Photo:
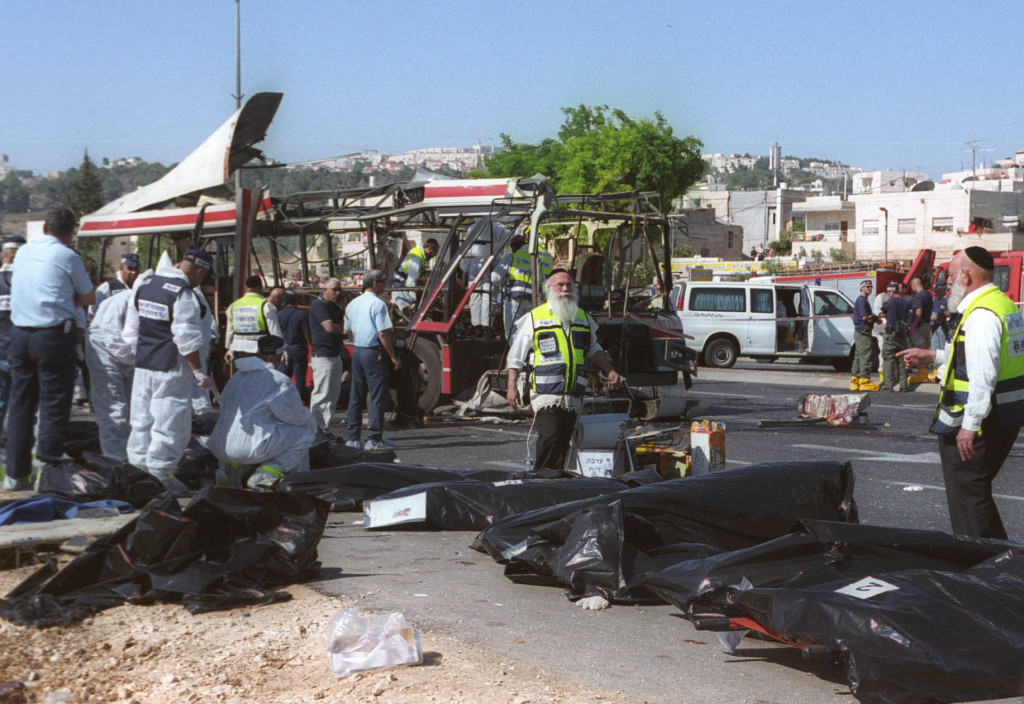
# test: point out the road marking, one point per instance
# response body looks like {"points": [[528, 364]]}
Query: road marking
{"points": [[715, 393], [1010, 497], [930, 407], [922, 458], [506, 463]]}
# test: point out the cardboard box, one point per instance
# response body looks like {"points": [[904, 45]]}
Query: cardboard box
{"points": [[707, 447]]}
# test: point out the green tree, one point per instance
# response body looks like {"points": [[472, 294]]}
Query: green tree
{"points": [[88, 188], [14, 197], [602, 150]]}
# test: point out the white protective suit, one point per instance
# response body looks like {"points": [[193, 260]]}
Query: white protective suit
{"points": [[161, 413], [262, 420], [111, 368], [201, 404], [487, 232]]}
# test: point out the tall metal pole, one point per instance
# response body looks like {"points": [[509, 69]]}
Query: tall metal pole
{"points": [[241, 251]]}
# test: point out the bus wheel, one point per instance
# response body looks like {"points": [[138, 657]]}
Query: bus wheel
{"points": [[429, 356]]}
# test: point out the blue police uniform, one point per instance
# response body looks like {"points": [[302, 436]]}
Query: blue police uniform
{"points": [[49, 274], [295, 329]]}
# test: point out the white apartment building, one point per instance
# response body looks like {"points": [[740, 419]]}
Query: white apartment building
{"points": [[827, 219], [896, 226], [886, 181], [1002, 175], [763, 215]]}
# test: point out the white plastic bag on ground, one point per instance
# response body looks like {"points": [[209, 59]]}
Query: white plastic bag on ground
{"points": [[358, 644]]}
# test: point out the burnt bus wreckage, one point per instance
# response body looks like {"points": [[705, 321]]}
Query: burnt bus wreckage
{"points": [[616, 246]]}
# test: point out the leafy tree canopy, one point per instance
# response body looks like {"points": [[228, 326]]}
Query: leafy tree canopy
{"points": [[602, 150]]}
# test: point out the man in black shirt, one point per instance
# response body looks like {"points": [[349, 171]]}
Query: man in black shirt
{"points": [[295, 327], [326, 318], [921, 325]]}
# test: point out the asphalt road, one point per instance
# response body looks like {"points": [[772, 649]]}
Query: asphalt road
{"points": [[650, 653]]}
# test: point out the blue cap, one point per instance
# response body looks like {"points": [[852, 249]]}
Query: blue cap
{"points": [[270, 344], [13, 241], [199, 257], [130, 260]]}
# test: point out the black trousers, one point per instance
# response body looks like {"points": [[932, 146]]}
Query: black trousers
{"points": [[43, 378], [554, 427], [972, 510]]}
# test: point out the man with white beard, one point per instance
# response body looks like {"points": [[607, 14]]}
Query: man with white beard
{"points": [[560, 339], [981, 407]]}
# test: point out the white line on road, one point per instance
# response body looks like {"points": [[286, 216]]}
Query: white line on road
{"points": [[921, 458], [930, 407], [505, 463], [715, 393], [942, 488]]}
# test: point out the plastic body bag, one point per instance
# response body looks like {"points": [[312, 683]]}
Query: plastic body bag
{"points": [[602, 546], [913, 616], [357, 644]]}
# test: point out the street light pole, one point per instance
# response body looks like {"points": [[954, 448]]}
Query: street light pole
{"points": [[885, 239], [240, 254]]}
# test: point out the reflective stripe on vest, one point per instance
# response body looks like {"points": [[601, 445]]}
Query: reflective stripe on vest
{"points": [[246, 315], [1008, 397], [401, 274], [519, 272], [552, 374]]}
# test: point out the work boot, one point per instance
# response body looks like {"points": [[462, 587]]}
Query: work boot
{"points": [[866, 385], [881, 378], [920, 377], [854, 383]]}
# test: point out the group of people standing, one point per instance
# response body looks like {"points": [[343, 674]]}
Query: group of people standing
{"points": [[147, 342], [897, 319]]}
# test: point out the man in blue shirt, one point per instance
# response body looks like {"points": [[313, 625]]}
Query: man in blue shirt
{"points": [[295, 328], [863, 323], [368, 321], [921, 325], [7, 253], [50, 283], [326, 333], [896, 311]]}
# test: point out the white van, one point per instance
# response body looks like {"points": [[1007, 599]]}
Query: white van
{"points": [[731, 319]]}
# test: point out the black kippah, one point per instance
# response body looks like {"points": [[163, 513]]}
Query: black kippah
{"points": [[981, 257]]}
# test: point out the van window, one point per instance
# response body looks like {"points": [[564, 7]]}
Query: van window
{"points": [[718, 300], [829, 303], [761, 300]]}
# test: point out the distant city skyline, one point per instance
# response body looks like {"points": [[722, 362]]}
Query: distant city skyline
{"points": [[879, 85]]}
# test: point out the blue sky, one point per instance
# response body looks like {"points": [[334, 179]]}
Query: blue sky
{"points": [[899, 85]]}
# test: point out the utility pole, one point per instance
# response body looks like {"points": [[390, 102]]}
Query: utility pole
{"points": [[241, 250], [973, 148]]}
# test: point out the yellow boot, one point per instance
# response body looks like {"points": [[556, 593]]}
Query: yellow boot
{"points": [[919, 377], [854, 383], [866, 385], [881, 378]]}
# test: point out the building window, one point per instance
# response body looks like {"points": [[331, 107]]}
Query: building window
{"points": [[831, 226], [942, 224], [906, 226], [869, 228], [732, 240]]}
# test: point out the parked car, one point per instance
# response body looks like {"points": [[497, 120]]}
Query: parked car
{"points": [[765, 320]]}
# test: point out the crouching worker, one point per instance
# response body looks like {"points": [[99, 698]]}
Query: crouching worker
{"points": [[558, 339], [262, 421]]}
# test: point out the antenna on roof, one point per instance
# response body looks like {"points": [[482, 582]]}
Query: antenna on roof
{"points": [[973, 148]]}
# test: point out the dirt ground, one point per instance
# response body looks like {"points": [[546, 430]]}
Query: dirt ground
{"points": [[274, 654]]}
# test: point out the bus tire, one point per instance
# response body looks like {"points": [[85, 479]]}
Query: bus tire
{"points": [[429, 356]]}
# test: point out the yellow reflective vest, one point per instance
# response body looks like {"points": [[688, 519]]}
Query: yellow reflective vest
{"points": [[520, 281], [1008, 398], [401, 274], [559, 361], [246, 315]]}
